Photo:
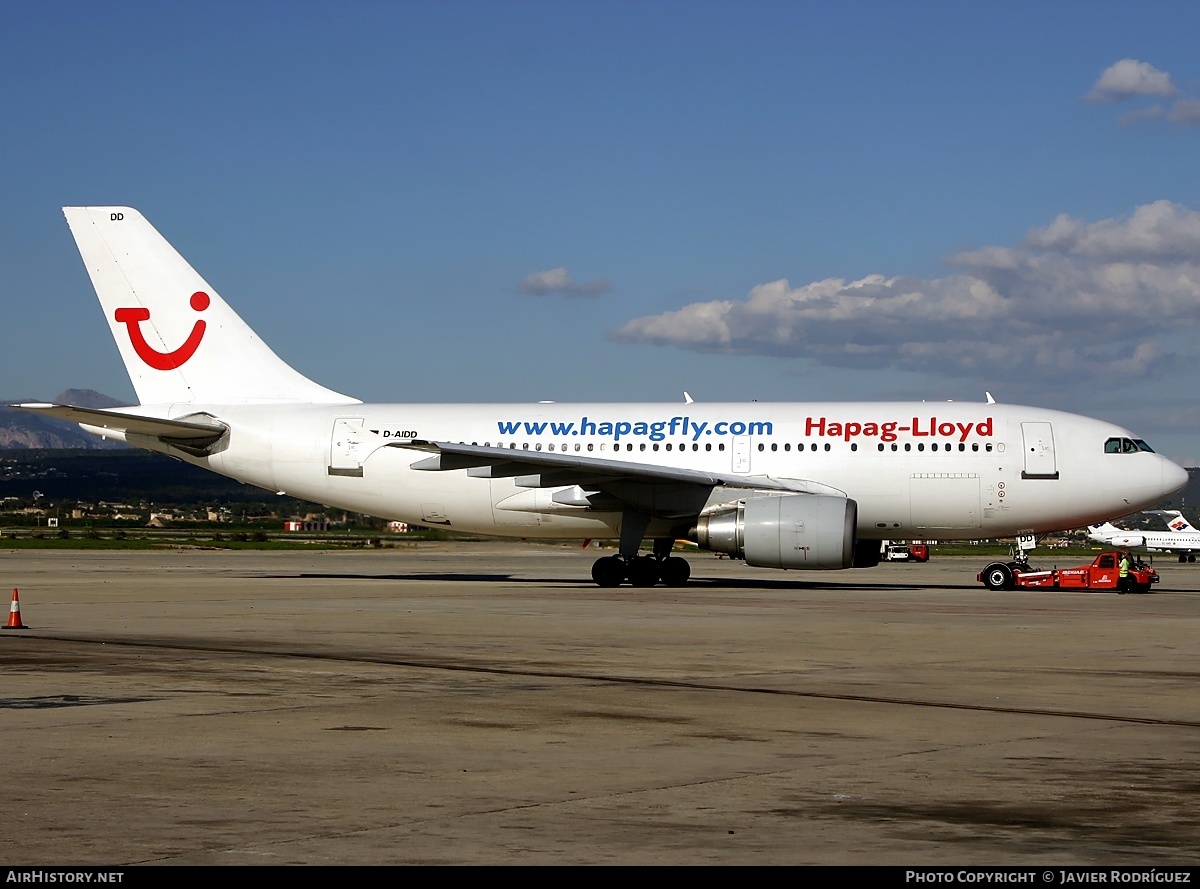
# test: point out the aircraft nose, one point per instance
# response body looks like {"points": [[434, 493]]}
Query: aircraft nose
{"points": [[1174, 477]]}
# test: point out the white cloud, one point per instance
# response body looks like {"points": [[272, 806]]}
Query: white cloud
{"points": [[1074, 300], [1185, 111], [559, 281], [1160, 229], [1128, 78], [1131, 79]]}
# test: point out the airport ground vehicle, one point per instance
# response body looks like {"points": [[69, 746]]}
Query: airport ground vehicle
{"points": [[1102, 574], [913, 552]]}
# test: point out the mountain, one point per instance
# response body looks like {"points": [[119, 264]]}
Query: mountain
{"points": [[21, 429]]}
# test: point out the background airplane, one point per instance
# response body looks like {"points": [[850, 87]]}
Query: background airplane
{"points": [[792, 486], [1182, 539]]}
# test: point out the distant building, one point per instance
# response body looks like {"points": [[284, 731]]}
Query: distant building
{"points": [[398, 527], [306, 526]]}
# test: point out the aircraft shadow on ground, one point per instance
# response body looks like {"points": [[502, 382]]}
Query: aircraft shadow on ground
{"points": [[696, 583]]}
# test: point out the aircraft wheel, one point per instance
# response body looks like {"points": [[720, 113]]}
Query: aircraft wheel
{"points": [[1192, 559], [997, 576], [675, 571], [643, 571], [1183, 559], [608, 571]]}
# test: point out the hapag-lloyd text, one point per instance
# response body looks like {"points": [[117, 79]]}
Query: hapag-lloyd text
{"points": [[918, 428]]}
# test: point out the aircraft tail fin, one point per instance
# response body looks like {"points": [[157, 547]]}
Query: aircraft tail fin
{"points": [[181, 343], [1175, 520], [1103, 531]]}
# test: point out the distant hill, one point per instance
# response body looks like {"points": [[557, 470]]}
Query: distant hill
{"points": [[21, 429]]}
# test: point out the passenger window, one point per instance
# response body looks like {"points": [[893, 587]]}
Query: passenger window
{"points": [[1108, 561]]}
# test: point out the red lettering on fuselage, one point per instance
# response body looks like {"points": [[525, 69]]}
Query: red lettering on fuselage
{"points": [[921, 427]]}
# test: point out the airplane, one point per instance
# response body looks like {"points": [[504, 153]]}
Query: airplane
{"points": [[1182, 540], [794, 486]]}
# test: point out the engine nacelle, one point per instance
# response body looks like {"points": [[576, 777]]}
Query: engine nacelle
{"points": [[1127, 540], [797, 531]]}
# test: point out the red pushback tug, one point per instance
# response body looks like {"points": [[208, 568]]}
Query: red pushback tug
{"points": [[1102, 574]]}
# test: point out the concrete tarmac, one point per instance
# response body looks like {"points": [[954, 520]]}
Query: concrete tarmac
{"points": [[487, 704]]}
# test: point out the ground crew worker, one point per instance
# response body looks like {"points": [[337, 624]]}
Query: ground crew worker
{"points": [[1123, 579]]}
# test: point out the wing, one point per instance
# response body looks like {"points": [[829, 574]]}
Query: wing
{"points": [[540, 469], [602, 482]]}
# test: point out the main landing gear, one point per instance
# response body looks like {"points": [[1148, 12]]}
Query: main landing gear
{"points": [[642, 571], [639, 570]]}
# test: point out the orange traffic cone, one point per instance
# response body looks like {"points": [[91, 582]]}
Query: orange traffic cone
{"points": [[14, 614]]}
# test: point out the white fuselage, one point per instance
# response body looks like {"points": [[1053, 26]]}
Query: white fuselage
{"points": [[1185, 542], [953, 470]]}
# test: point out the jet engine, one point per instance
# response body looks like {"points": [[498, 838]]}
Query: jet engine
{"points": [[1127, 540], [797, 531]]}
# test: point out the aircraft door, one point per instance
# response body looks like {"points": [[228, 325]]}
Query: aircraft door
{"points": [[741, 453], [345, 447], [1039, 451]]}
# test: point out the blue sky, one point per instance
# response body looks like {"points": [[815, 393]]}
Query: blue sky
{"points": [[583, 201]]}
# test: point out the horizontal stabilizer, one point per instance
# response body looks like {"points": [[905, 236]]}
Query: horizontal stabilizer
{"points": [[129, 423]]}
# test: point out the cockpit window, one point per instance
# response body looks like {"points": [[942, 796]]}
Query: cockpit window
{"points": [[1126, 446]]}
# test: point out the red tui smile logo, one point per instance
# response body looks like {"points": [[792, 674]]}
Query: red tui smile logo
{"points": [[132, 319]]}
